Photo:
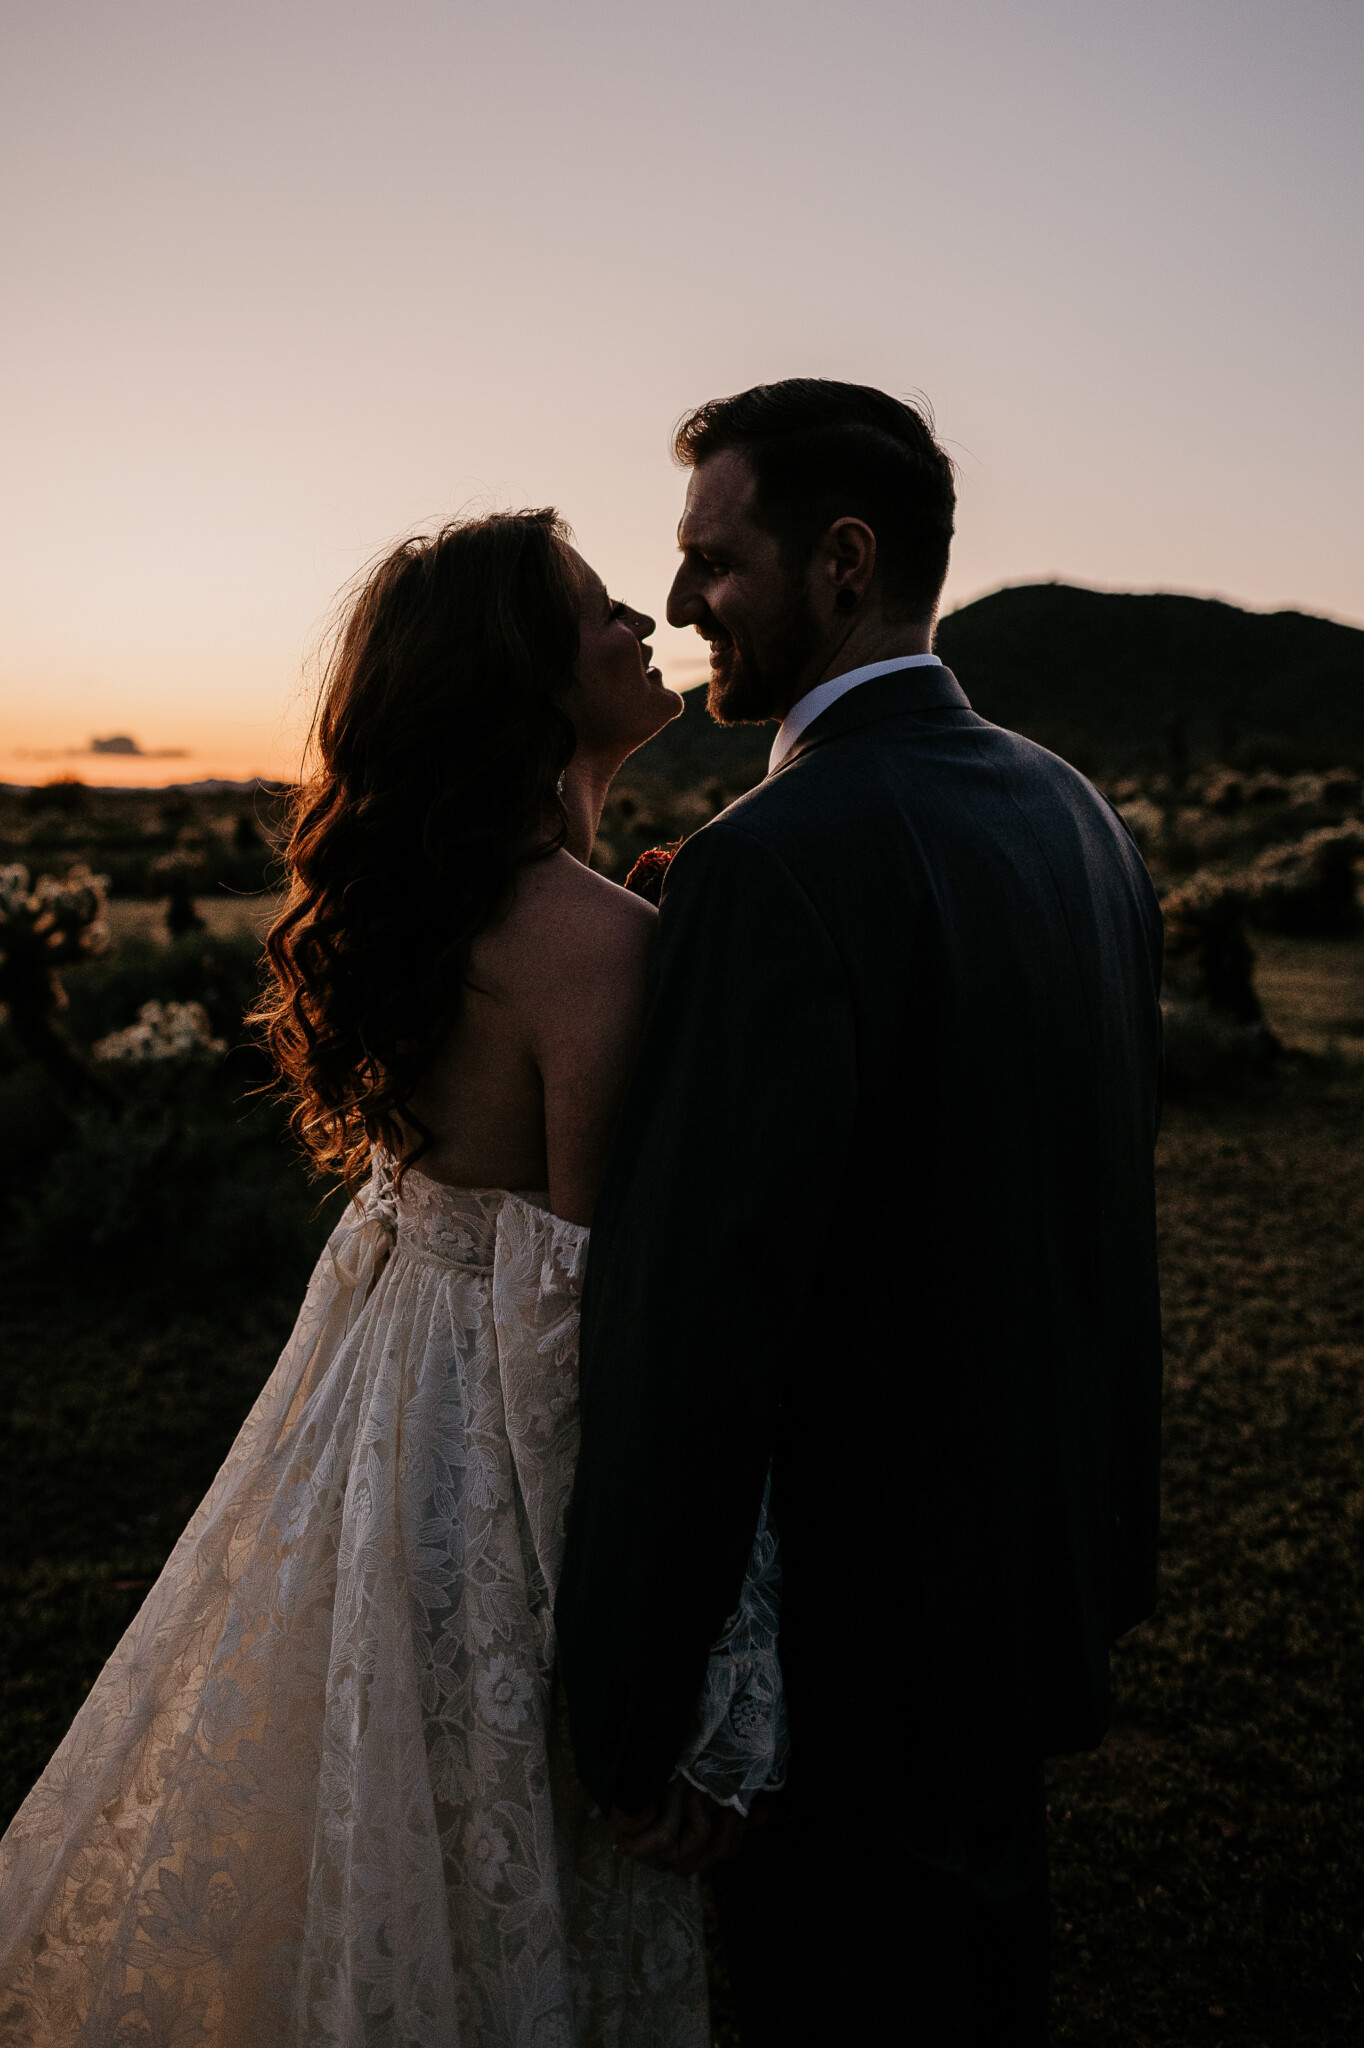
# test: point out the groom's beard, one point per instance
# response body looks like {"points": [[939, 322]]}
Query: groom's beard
{"points": [[754, 678]]}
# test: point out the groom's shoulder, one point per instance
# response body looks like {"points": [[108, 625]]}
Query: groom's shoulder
{"points": [[918, 792], [787, 832], [768, 821]]}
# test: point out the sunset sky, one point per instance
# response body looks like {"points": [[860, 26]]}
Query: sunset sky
{"points": [[286, 280]]}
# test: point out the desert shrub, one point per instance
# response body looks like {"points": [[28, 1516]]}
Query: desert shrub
{"points": [[1143, 819], [1214, 1024], [163, 1032], [1209, 1048], [1214, 1027], [46, 925], [1341, 786], [63, 794], [221, 974], [35, 1119], [1267, 788], [1224, 792], [170, 1173], [1308, 888], [1208, 958], [183, 1182], [125, 833], [181, 874]]}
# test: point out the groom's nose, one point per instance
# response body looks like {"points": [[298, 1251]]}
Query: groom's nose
{"points": [[686, 606]]}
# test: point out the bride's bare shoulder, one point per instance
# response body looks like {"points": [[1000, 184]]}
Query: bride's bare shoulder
{"points": [[567, 922]]}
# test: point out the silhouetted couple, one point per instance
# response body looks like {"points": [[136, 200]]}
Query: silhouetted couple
{"points": [[490, 1633]]}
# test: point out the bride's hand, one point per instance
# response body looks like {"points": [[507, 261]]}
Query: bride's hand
{"points": [[683, 1832], [653, 1835]]}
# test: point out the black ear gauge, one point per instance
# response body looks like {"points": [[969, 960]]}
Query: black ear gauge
{"points": [[846, 600]]}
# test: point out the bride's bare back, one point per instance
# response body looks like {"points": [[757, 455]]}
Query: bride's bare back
{"points": [[524, 1091]]}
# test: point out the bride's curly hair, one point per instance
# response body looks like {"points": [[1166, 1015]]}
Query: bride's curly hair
{"points": [[437, 750]]}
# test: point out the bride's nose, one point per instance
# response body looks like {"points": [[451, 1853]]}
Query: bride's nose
{"points": [[644, 625]]}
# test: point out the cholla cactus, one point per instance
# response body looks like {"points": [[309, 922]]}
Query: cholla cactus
{"points": [[51, 923], [58, 919], [163, 1031]]}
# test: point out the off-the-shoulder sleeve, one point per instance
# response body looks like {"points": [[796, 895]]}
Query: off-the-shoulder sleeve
{"points": [[738, 1744]]}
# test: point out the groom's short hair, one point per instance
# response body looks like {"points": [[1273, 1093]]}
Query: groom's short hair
{"points": [[821, 451]]}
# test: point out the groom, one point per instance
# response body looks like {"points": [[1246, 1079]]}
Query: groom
{"points": [[879, 1212]]}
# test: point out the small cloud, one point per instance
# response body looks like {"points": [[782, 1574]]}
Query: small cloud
{"points": [[119, 743]]}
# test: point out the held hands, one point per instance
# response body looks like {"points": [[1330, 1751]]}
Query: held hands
{"points": [[683, 1831]]}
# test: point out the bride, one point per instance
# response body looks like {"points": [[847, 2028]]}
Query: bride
{"points": [[322, 1792]]}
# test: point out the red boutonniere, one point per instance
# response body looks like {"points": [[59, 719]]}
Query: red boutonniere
{"points": [[647, 876]]}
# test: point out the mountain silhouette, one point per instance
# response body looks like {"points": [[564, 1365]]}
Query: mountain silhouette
{"points": [[1120, 683]]}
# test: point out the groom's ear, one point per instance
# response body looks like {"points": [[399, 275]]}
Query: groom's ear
{"points": [[842, 567]]}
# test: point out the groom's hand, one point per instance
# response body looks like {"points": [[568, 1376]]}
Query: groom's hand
{"points": [[684, 1831], [654, 1831]]}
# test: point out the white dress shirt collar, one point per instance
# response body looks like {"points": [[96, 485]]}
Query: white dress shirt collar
{"points": [[808, 708]]}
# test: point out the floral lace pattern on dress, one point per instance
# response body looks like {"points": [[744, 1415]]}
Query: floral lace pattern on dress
{"points": [[739, 1742], [321, 1793]]}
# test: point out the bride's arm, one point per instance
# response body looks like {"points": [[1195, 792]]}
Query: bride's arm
{"points": [[738, 1743], [585, 997]]}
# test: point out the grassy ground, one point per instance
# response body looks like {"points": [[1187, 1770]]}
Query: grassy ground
{"points": [[1313, 992], [115, 1420], [1209, 1860], [225, 917]]}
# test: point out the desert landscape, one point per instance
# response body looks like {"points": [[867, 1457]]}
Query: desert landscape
{"points": [[1208, 1859]]}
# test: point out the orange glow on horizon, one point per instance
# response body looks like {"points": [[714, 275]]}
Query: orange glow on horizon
{"points": [[285, 283]]}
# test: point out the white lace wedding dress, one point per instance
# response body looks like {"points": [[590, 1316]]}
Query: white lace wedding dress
{"points": [[321, 1792]]}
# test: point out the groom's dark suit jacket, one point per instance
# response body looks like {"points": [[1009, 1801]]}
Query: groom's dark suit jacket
{"points": [[880, 1210]]}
